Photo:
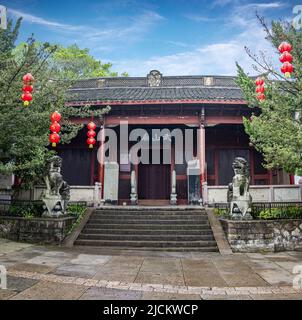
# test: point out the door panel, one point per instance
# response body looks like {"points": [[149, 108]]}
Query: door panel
{"points": [[154, 181]]}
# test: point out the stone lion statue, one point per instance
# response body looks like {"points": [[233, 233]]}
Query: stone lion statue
{"points": [[57, 192], [54, 180], [239, 197]]}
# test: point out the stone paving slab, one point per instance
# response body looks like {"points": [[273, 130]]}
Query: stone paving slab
{"points": [[122, 277], [161, 265], [48, 260], [173, 278], [9, 246], [51, 291], [19, 284], [30, 267], [75, 270], [90, 259]]}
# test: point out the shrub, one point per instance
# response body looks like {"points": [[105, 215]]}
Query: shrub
{"points": [[290, 212], [26, 210], [76, 209]]}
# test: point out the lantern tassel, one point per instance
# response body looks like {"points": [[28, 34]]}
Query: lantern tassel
{"points": [[26, 103], [54, 144], [91, 146], [287, 74]]}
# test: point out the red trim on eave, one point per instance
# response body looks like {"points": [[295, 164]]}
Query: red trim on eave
{"points": [[133, 102]]}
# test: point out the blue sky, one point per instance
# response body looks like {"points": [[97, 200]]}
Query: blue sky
{"points": [[177, 37]]}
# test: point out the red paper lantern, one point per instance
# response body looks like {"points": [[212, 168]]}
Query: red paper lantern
{"points": [[259, 82], [260, 89], [55, 127], [26, 98], [91, 134], [91, 126], [27, 88], [28, 78], [55, 117], [285, 46], [54, 138], [91, 142], [286, 57], [261, 96], [287, 68]]}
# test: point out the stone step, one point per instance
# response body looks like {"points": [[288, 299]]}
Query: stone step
{"points": [[151, 221], [145, 231], [155, 226], [140, 237], [150, 217], [150, 209], [169, 249], [153, 244], [157, 213]]}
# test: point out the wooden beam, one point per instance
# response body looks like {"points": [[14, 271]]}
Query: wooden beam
{"points": [[224, 120], [163, 120]]}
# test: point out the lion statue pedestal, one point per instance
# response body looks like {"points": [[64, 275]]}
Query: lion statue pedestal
{"points": [[239, 197], [57, 192]]}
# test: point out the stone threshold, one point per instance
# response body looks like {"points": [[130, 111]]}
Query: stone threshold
{"points": [[163, 288]]}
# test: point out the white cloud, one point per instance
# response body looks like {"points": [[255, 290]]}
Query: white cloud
{"points": [[198, 18], [38, 20], [216, 58], [128, 30]]}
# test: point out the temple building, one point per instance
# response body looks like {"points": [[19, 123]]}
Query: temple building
{"points": [[208, 109]]}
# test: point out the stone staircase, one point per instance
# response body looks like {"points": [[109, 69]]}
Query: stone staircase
{"points": [[149, 228]]}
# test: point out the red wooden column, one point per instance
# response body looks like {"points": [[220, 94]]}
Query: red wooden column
{"points": [[202, 153], [101, 156], [202, 148]]}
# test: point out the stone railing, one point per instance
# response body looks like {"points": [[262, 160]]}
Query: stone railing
{"points": [[88, 194], [268, 193]]}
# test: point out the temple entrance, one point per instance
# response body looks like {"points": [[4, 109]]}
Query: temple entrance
{"points": [[154, 182]]}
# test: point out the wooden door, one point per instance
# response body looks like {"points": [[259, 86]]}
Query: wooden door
{"points": [[154, 181]]}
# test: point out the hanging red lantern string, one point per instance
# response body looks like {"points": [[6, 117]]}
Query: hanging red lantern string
{"points": [[91, 135], [286, 58], [260, 89], [55, 128], [27, 89]]}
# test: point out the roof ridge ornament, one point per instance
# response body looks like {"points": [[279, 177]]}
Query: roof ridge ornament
{"points": [[154, 78]]}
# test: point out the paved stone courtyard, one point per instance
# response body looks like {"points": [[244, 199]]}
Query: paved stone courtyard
{"points": [[39, 272]]}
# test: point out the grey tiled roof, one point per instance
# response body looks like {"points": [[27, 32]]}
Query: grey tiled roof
{"points": [[171, 88]]}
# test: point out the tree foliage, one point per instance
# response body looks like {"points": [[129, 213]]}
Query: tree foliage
{"points": [[24, 145], [73, 62], [276, 130]]}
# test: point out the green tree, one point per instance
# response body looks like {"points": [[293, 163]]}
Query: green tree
{"points": [[24, 145], [275, 126], [73, 62]]}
